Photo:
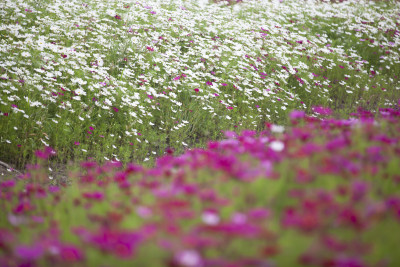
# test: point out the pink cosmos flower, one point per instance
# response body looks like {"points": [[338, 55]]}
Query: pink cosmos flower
{"points": [[71, 253], [97, 195], [297, 114], [30, 253], [45, 153]]}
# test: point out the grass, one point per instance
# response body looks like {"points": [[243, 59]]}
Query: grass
{"points": [[324, 192]]}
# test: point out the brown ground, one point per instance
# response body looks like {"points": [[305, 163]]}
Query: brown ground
{"points": [[7, 170]]}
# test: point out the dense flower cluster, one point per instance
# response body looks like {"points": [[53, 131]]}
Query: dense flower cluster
{"points": [[323, 192], [87, 78]]}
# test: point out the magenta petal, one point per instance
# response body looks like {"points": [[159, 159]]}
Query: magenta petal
{"points": [[29, 252]]}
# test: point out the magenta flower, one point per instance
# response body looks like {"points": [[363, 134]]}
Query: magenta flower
{"points": [[259, 214], [120, 243], [230, 134], [7, 184], [359, 189], [188, 258], [118, 17], [97, 195], [30, 253], [71, 253], [53, 189], [322, 110], [297, 114], [45, 153], [89, 164]]}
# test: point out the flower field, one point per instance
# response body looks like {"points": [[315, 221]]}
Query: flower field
{"points": [[120, 80], [254, 133], [322, 193]]}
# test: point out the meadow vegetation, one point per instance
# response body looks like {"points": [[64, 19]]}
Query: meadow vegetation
{"points": [[322, 193], [200, 133], [110, 80]]}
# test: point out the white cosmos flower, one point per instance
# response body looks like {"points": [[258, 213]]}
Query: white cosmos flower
{"points": [[25, 54], [277, 146], [80, 91], [277, 128], [210, 218], [189, 258]]}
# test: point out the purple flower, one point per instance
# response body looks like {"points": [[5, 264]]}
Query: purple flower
{"points": [[53, 189], [71, 253], [120, 243], [358, 190], [97, 195], [45, 153], [259, 213], [297, 114], [7, 184], [189, 258], [322, 110], [33, 252], [230, 134]]}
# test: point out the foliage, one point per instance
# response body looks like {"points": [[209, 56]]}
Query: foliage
{"points": [[323, 192], [112, 80]]}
